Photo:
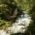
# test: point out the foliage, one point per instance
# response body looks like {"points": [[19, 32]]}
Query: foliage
{"points": [[9, 5]]}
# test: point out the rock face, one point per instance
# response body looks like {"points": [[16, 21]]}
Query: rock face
{"points": [[19, 26]]}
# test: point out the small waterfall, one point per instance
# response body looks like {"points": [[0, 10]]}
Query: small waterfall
{"points": [[20, 25]]}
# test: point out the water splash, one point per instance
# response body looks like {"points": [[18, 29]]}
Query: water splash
{"points": [[20, 25]]}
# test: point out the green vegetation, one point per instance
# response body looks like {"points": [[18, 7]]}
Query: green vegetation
{"points": [[8, 5]]}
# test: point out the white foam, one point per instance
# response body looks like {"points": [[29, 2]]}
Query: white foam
{"points": [[20, 25]]}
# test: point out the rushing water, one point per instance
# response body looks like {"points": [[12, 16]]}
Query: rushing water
{"points": [[20, 25]]}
